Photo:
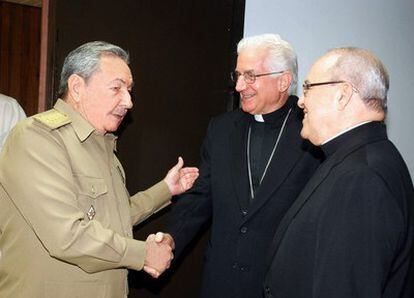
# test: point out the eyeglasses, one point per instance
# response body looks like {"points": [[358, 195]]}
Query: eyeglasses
{"points": [[306, 85], [249, 76]]}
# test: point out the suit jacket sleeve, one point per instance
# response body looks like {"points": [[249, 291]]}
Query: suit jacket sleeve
{"points": [[39, 180], [192, 211]]}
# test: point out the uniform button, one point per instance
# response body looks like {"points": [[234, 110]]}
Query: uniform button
{"points": [[244, 268], [267, 291], [244, 212], [235, 265], [243, 230]]}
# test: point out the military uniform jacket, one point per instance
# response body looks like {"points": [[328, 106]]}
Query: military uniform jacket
{"points": [[65, 214]]}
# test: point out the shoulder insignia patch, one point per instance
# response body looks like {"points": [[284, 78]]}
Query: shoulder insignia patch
{"points": [[53, 118]]}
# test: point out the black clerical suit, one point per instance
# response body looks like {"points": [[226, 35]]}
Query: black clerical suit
{"points": [[350, 232], [242, 228]]}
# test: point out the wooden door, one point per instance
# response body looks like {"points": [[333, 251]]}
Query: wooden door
{"points": [[20, 53]]}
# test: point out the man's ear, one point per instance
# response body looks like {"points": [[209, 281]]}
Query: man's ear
{"points": [[285, 80], [344, 93], [76, 85]]}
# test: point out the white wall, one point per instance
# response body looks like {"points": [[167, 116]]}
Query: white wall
{"points": [[382, 26]]}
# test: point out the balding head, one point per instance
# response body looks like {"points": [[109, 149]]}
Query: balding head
{"points": [[345, 87], [364, 71]]}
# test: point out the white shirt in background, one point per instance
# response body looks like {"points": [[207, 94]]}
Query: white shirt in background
{"points": [[10, 113]]}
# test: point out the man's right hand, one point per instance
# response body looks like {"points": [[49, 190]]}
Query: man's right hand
{"points": [[159, 255]]}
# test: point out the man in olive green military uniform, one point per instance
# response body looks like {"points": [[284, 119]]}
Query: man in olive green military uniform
{"points": [[65, 215]]}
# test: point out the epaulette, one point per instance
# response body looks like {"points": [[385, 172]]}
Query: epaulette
{"points": [[53, 118]]}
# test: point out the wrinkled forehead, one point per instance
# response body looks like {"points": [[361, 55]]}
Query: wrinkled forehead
{"points": [[251, 59]]}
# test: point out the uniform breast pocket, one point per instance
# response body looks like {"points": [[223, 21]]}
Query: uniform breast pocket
{"points": [[91, 195]]}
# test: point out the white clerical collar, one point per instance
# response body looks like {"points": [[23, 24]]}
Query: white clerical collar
{"points": [[344, 131], [258, 118]]}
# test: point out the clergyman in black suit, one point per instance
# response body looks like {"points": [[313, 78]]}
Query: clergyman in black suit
{"points": [[350, 232], [253, 166]]}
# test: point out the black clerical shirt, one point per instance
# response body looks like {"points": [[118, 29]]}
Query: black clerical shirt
{"points": [[263, 137]]}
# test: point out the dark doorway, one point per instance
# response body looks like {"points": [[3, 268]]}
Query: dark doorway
{"points": [[181, 54]]}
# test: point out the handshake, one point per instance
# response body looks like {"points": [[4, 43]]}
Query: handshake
{"points": [[159, 253]]}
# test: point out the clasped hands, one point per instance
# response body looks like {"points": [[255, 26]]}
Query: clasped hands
{"points": [[160, 248]]}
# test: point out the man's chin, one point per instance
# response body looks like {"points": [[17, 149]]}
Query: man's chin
{"points": [[303, 134], [310, 138], [246, 108], [113, 127]]}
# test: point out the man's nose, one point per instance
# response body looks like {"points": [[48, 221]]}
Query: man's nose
{"points": [[127, 100], [240, 84]]}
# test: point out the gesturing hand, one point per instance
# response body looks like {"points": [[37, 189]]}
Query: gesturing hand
{"points": [[180, 179]]}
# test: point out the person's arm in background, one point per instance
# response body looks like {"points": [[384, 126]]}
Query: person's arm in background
{"points": [[10, 113]]}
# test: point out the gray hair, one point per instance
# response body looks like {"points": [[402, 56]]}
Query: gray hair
{"points": [[84, 61], [365, 72], [280, 54]]}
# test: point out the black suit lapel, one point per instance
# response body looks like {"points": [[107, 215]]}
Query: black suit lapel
{"points": [[313, 183], [361, 136], [238, 160]]}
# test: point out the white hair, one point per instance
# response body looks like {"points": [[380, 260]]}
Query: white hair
{"points": [[280, 54]]}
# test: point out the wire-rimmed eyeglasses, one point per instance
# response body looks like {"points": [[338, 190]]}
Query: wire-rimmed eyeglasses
{"points": [[307, 85], [249, 76]]}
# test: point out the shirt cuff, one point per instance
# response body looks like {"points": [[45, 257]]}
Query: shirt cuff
{"points": [[135, 254]]}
